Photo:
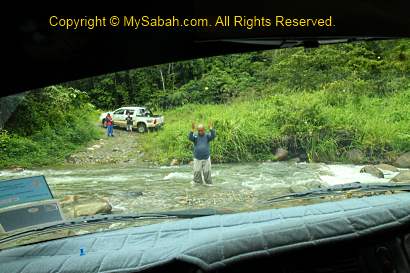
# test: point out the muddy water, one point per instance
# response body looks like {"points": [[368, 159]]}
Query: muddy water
{"points": [[237, 187]]}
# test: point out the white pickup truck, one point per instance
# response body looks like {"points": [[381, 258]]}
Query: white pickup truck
{"points": [[142, 117]]}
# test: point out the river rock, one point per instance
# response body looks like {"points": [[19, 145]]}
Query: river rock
{"points": [[403, 176], [281, 154], [174, 162], [17, 169], [386, 167], [96, 146], [303, 157], [92, 208], [313, 184], [298, 188], [134, 193], [295, 160], [372, 170], [403, 161], [355, 156], [90, 149], [71, 159], [116, 149], [69, 200]]}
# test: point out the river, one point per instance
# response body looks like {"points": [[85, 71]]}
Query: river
{"points": [[236, 187]]}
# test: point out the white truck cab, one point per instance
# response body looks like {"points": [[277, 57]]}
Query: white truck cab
{"points": [[143, 118]]}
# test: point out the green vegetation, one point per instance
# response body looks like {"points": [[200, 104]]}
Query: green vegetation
{"points": [[372, 68], [47, 126], [319, 103], [305, 122]]}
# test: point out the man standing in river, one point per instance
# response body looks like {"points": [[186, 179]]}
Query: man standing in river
{"points": [[202, 154]]}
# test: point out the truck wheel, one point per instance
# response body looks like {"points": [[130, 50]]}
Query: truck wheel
{"points": [[141, 128]]}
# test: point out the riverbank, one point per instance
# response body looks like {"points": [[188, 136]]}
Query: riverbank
{"points": [[305, 126], [311, 126]]}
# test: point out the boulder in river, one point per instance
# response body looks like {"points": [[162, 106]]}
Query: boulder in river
{"points": [[16, 169], [303, 157], [403, 176], [295, 160], [298, 188], [174, 162], [403, 161], [354, 156], [92, 208], [372, 170], [70, 198], [281, 154], [386, 167]]}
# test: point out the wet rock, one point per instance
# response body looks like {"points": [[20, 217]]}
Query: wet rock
{"points": [[16, 169], [174, 162], [403, 161], [303, 157], [134, 193], [403, 176], [386, 167], [355, 156], [281, 154], [373, 171], [313, 184], [298, 188], [295, 160], [92, 208], [69, 200]]}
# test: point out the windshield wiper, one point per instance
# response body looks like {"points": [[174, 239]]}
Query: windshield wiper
{"points": [[108, 218], [341, 189]]}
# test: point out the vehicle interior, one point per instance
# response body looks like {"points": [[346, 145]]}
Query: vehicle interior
{"points": [[369, 235]]}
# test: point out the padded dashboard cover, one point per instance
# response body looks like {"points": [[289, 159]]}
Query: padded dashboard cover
{"points": [[211, 242]]}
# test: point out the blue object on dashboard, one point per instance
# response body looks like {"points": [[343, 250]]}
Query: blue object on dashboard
{"points": [[24, 190], [212, 242]]}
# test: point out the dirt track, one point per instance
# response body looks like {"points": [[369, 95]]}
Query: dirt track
{"points": [[123, 148]]}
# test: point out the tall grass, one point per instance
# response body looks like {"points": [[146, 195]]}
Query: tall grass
{"points": [[306, 122]]}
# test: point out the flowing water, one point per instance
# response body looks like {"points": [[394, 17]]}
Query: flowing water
{"points": [[236, 187]]}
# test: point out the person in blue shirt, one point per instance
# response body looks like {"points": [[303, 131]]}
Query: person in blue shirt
{"points": [[202, 153]]}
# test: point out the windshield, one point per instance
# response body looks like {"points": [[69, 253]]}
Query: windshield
{"points": [[228, 133]]}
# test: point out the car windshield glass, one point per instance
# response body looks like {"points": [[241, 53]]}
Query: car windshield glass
{"points": [[233, 133]]}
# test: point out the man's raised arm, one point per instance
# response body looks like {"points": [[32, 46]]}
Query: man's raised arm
{"points": [[191, 134], [212, 135]]}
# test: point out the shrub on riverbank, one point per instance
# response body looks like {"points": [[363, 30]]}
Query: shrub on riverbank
{"points": [[319, 124], [47, 125]]}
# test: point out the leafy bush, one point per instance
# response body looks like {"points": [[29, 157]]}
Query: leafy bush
{"points": [[47, 126]]}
